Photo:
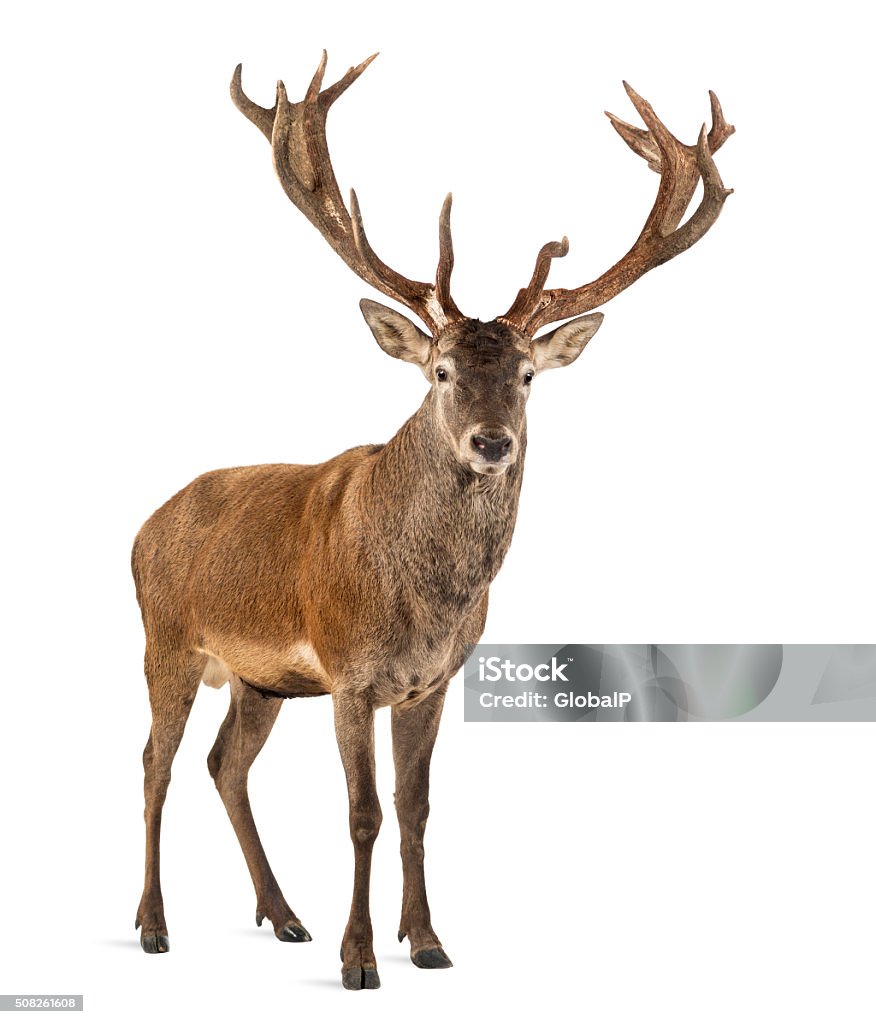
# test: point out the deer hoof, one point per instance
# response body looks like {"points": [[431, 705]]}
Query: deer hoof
{"points": [[431, 959], [357, 978], [293, 933], [152, 942]]}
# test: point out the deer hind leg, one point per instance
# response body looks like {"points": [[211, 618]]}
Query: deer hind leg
{"points": [[414, 729], [173, 677], [354, 726], [242, 735]]}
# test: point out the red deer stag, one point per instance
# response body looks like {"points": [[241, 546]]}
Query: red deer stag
{"points": [[366, 577]]}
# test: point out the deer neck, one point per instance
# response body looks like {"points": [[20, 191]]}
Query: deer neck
{"points": [[443, 529]]}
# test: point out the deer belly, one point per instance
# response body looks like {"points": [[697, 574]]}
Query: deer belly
{"points": [[294, 672]]}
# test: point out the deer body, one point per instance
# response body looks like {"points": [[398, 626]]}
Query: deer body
{"points": [[369, 572], [366, 577]]}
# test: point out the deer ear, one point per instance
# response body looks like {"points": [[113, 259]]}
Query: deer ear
{"points": [[396, 335], [564, 344]]}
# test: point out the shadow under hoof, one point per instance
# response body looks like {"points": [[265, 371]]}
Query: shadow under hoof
{"points": [[357, 978], [155, 943], [431, 959]]}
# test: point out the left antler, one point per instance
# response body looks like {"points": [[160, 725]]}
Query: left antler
{"points": [[297, 135], [680, 168]]}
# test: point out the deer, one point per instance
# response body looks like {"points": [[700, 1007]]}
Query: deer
{"points": [[366, 577]]}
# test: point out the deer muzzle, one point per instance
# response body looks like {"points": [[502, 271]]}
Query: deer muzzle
{"points": [[492, 451]]}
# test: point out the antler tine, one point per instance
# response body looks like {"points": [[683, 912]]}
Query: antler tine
{"points": [[261, 117], [315, 86], [720, 131], [417, 295], [334, 91], [529, 296], [445, 262], [388, 277], [661, 135], [638, 140], [303, 165], [680, 168], [714, 193], [292, 160], [678, 177]]}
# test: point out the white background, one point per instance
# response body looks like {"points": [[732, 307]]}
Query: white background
{"points": [[702, 474]]}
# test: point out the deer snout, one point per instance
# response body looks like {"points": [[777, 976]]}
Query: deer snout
{"points": [[493, 446]]}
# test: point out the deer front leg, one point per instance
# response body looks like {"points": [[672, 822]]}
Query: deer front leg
{"points": [[354, 726], [414, 730]]}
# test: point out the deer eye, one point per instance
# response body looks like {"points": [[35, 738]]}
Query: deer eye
{"points": [[528, 377], [441, 374]]}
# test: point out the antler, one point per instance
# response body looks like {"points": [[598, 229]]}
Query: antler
{"points": [[297, 135], [680, 168]]}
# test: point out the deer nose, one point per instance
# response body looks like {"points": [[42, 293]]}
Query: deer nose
{"points": [[493, 449]]}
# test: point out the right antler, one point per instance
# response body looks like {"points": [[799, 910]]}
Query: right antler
{"points": [[680, 168], [297, 135]]}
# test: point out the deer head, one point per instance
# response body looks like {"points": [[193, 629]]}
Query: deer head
{"points": [[481, 373]]}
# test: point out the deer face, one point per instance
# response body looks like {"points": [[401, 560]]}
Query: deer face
{"points": [[481, 376]]}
